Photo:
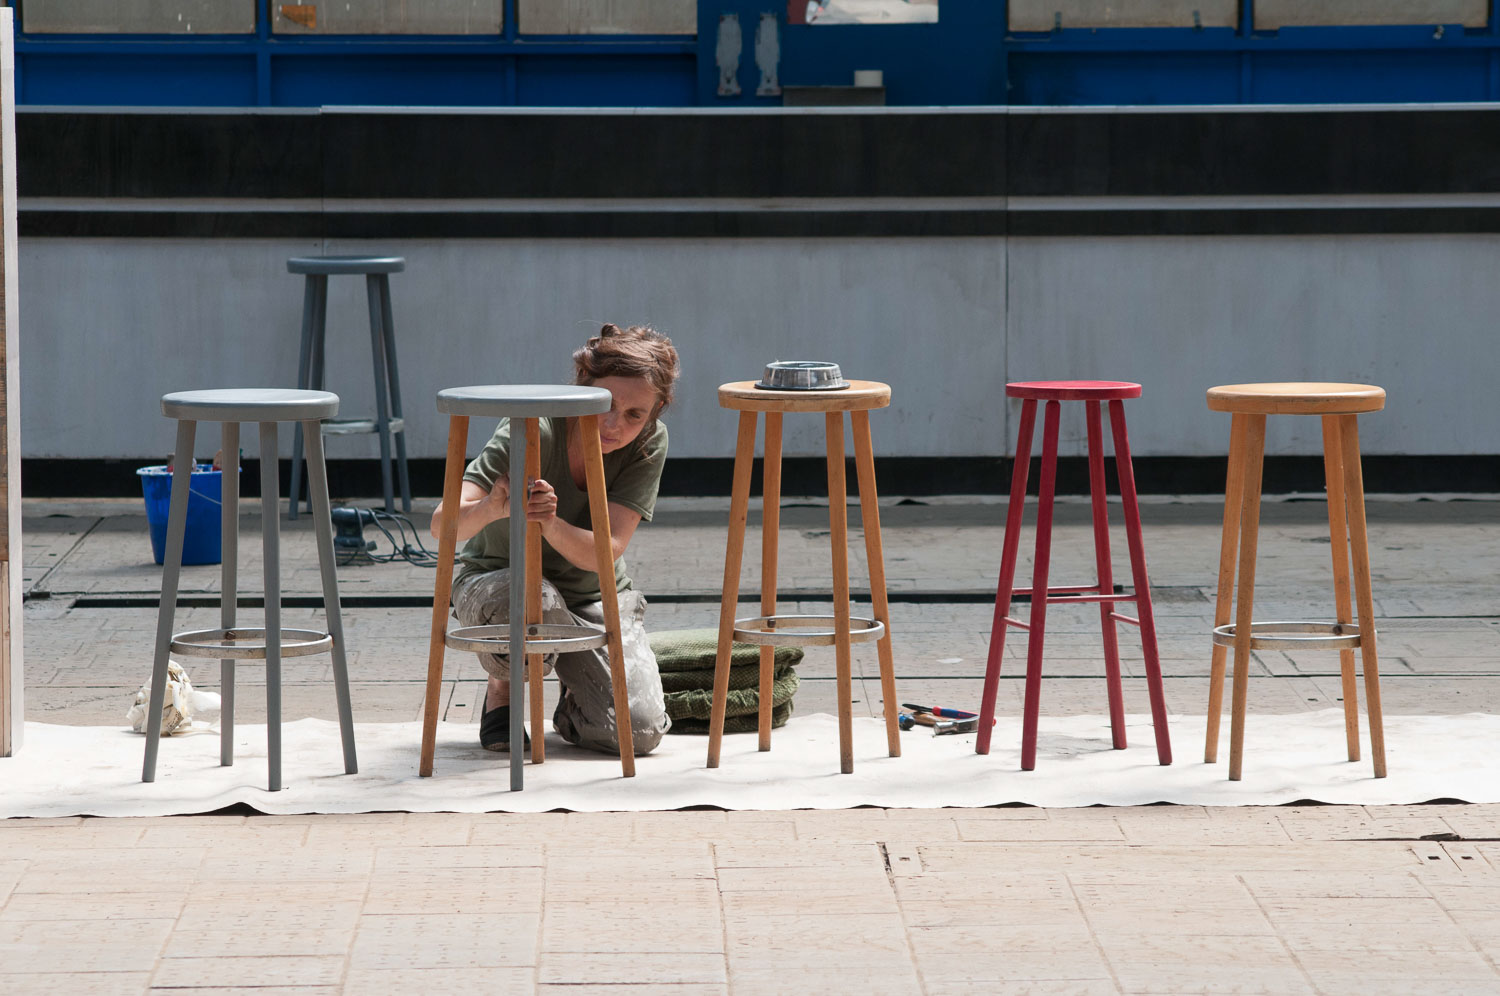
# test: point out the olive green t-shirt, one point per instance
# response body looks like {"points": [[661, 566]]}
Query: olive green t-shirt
{"points": [[631, 477]]}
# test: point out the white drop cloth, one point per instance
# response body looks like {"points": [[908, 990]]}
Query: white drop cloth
{"points": [[72, 770]]}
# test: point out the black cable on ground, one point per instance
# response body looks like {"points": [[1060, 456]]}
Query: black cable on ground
{"points": [[407, 548]]}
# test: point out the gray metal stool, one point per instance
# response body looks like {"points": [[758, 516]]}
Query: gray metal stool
{"points": [[523, 404], [267, 406], [311, 368]]}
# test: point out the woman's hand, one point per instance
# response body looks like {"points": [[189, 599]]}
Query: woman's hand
{"points": [[499, 496], [541, 504]]}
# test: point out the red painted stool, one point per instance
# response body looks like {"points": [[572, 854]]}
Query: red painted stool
{"points": [[1091, 392]]}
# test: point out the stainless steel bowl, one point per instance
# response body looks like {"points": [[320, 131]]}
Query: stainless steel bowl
{"points": [[802, 375]]}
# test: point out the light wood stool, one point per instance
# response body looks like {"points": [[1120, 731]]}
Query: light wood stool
{"points": [[769, 629], [523, 404], [1340, 406]]}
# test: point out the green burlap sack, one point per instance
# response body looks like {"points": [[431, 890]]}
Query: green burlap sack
{"points": [[695, 650], [686, 661]]}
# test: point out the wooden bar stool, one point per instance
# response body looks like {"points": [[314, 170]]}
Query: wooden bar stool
{"points": [[230, 643], [1092, 393], [770, 629], [312, 366], [523, 404], [1339, 405]]}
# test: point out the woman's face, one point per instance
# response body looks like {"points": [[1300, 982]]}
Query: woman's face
{"points": [[634, 400]]}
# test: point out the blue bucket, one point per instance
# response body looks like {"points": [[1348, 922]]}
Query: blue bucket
{"points": [[201, 544]]}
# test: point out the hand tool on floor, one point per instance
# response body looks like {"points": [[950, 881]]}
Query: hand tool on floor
{"points": [[940, 711], [906, 721]]}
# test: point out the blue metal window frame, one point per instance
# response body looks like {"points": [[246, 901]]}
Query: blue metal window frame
{"points": [[968, 57], [265, 46]]}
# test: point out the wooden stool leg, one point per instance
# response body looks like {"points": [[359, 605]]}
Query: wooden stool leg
{"points": [[838, 529], [1234, 487], [869, 511], [1255, 447], [1038, 621], [1106, 575], [229, 544], [739, 510], [167, 605], [534, 594], [453, 472], [604, 556], [770, 526], [270, 537], [1338, 541], [1354, 495], [1006, 585], [1145, 614]]}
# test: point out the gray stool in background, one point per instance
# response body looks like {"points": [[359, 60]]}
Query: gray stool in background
{"points": [[524, 404], [312, 369], [267, 406]]}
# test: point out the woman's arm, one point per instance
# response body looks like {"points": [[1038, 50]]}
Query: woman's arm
{"points": [[477, 508], [574, 543]]}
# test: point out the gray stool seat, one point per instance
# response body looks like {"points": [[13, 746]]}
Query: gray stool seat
{"points": [[524, 400], [266, 407], [524, 639], [386, 422], [250, 404], [329, 266]]}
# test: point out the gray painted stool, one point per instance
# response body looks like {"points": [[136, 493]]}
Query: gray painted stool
{"points": [[523, 404], [311, 368], [267, 406]]}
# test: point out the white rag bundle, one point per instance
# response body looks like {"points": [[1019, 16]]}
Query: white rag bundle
{"points": [[181, 706]]}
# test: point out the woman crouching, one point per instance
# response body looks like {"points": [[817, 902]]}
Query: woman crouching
{"points": [[638, 366]]}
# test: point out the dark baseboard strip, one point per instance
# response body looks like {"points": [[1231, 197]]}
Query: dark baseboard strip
{"points": [[932, 597], [788, 224], [44, 477]]}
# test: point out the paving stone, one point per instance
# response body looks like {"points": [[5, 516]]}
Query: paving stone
{"points": [[93, 945], [657, 968], [430, 940], [80, 983], [264, 970]]}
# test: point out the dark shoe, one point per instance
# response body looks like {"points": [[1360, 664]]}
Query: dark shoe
{"points": [[494, 730]]}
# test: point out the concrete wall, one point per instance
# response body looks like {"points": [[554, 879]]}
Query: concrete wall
{"points": [[109, 325]]}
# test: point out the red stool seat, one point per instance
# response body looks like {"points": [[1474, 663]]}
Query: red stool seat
{"points": [[1073, 390], [1093, 393]]}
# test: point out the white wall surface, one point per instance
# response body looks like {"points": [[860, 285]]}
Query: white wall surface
{"points": [[111, 325]]}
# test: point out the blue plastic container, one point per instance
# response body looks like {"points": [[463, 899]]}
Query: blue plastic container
{"points": [[201, 544]]}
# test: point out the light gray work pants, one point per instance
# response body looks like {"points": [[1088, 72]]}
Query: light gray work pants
{"points": [[585, 714]]}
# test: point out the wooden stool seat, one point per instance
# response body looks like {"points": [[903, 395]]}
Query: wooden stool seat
{"points": [[1296, 399], [841, 629], [859, 396], [1093, 393], [525, 639], [1339, 406], [1073, 390]]}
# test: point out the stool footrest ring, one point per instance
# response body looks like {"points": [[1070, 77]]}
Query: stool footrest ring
{"points": [[1294, 636], [770, 631], [244, 643], [544, 638]]}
